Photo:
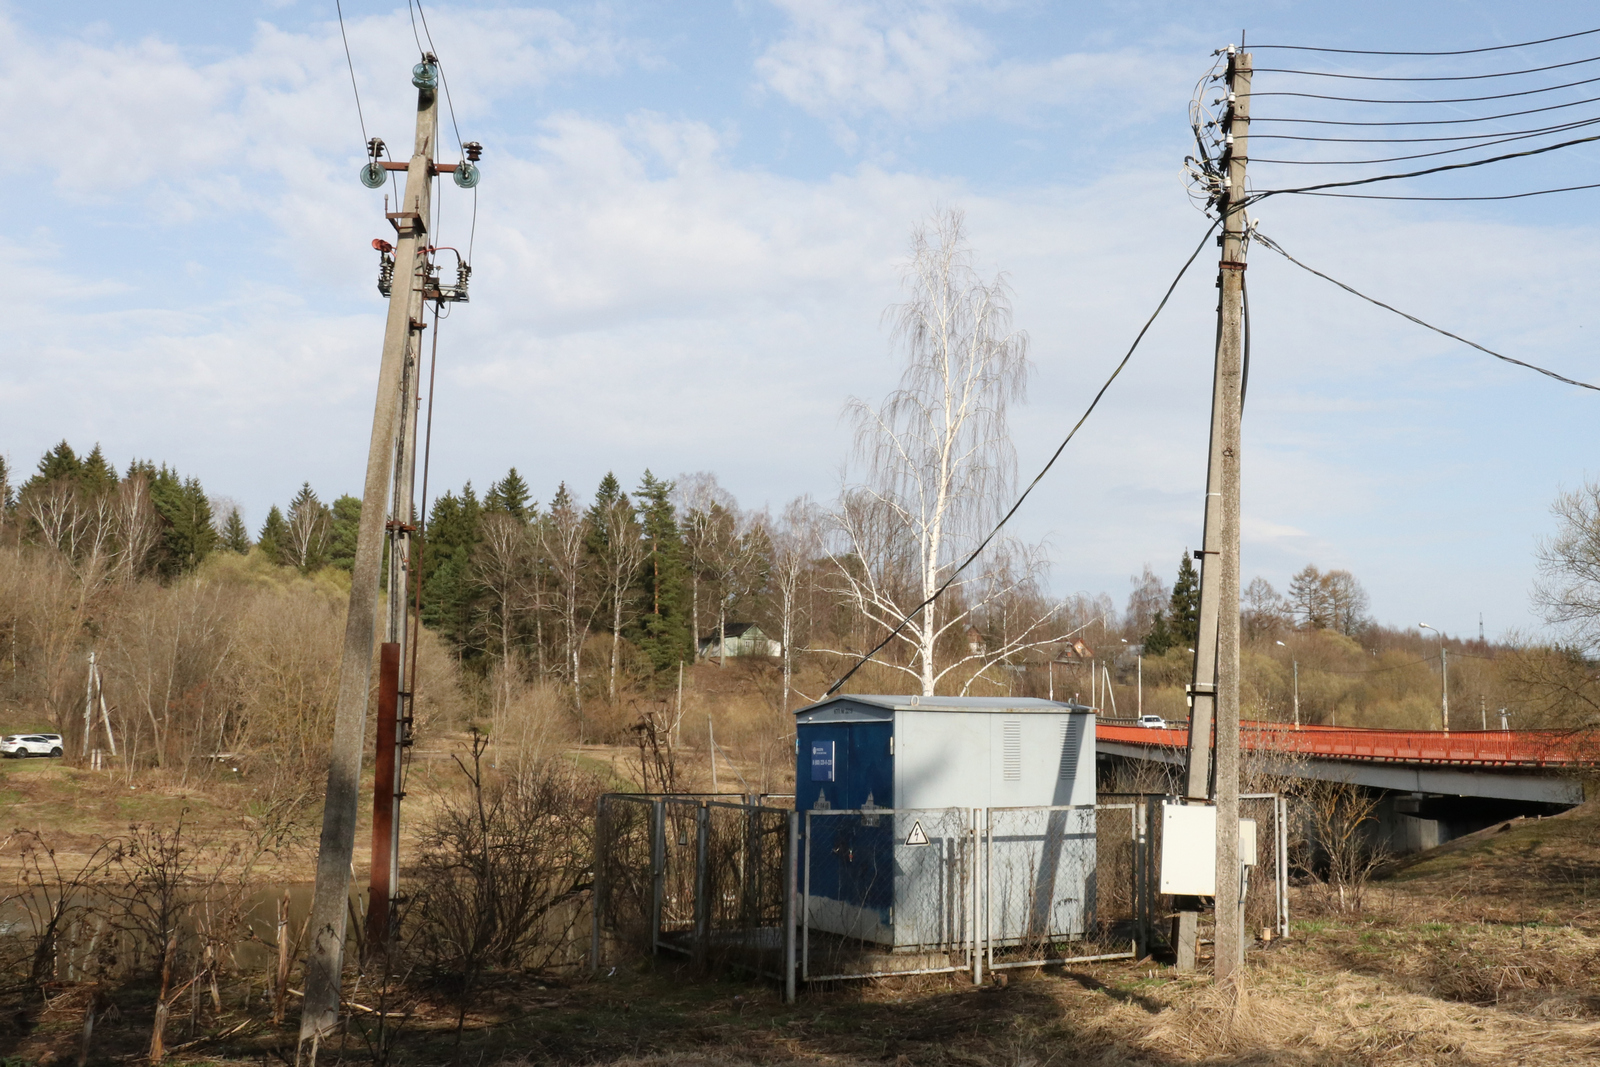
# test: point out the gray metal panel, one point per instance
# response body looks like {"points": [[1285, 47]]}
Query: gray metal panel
{"points": [[844, 709], [945, 759], [1450, 781]]}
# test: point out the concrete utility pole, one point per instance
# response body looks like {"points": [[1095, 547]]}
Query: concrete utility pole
{"points": [[1214, 693], [325, 958], [1444, 676]]}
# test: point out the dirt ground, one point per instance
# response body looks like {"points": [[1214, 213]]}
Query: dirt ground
{"points": [[1485, 951]]}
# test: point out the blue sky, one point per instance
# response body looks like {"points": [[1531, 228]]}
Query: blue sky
{"points": [[692, 217]]}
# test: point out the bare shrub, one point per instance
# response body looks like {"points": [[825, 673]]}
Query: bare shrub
{"points": [[503, 867], [1338, 850]]}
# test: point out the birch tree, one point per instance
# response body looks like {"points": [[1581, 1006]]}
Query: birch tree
{"points": [[938, 468], [796, 545]]}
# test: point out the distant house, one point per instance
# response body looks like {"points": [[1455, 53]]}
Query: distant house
{"points": [[744, 639], [1072, 651]]}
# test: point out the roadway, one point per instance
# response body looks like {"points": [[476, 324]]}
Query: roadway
{"points": [[1544, 766]]}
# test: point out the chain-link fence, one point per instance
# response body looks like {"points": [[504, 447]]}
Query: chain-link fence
{"points": [[828, 895], [700, 878]]}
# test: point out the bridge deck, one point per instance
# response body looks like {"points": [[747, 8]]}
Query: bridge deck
{"points": [[1458, 748]]}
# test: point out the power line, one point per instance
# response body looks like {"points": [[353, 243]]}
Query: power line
{"points": [[450, 104], [1454, 100], [1254, 119], [1416, 140], [1447, 199], [1489, 143], [1433, 78], [834, 688], [1458, 52], [1269, 243], [337, 6], [1253, 197]]}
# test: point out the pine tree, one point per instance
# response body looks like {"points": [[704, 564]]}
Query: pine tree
{"points": [[662, 628], [273, 536], [7, 496], [235, 538], [346, 515], [510, 495], [1185, 604]]}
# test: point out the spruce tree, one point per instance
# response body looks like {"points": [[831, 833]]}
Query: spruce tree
{"points": [[449, 593], [235, 538], [346, 516], [510, 495], [307, 524], [7, 496], [188, 534], [95, 475], [1185, 605], [1160, 638], [662, 628], [273, 536], [58, 462]]}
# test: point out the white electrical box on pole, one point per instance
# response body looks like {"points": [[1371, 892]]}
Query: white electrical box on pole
{"points": [[1214, 692]]}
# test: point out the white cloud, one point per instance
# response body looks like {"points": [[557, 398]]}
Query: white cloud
{"points": [[642, 298], [919, 61]]}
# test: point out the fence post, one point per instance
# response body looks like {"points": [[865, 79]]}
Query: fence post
{"points": [[658, 873], [1136, 817], [972, 879], [595, 897], [702, 892], [805, 904], [1283, 865], [791, 865]]}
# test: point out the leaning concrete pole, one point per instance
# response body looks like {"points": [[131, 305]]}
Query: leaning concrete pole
{"points": [[325, 958]]}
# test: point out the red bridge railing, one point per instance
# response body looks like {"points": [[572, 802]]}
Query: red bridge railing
{"points": [[1465, 748]]}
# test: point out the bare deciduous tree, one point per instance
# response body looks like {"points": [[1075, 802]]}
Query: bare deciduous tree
{"points": [[1568, 590], [796, 546], [620, 552], [562, 537], [939, 463]]}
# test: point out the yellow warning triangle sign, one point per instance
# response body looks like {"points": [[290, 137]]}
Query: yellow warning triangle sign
{"points": [[916, 836]]}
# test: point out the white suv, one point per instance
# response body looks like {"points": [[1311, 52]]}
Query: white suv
{"points": [[21, 746], [1149, 722]]}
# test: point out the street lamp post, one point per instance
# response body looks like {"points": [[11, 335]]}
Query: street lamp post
{"points": [[1296, 663], [1444, 676]]}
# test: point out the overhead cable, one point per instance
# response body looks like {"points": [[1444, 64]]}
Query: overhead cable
{"points": [[1255, 119], [1433, 78], [1269, 243], [1453, 100], [351, 64], [1448, 199], [1457, 52], [1490, 143], [1557, 128], [914, 612], [1253, 197], [444, 79]]}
